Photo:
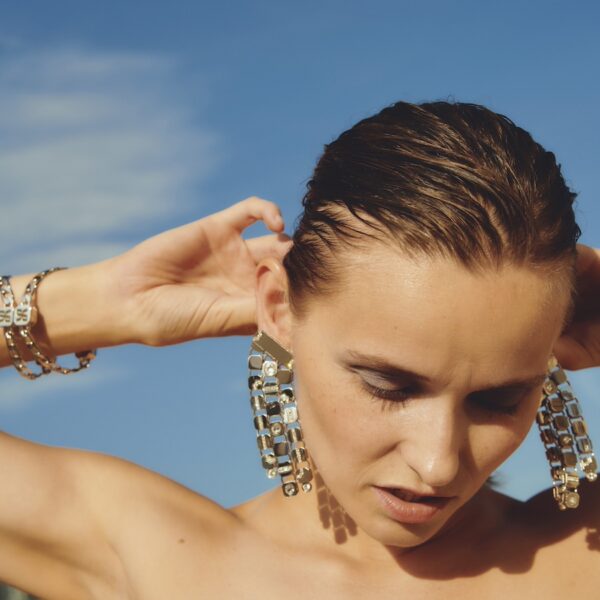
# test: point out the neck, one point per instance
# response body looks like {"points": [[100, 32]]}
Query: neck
{"points": [[324, 526]]}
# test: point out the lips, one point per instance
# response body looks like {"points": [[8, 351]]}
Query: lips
{"points": [[419, 509], [411, 497], [405, 495]]}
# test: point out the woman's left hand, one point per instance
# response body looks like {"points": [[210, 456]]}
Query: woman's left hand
{"points": [[199, 279]]}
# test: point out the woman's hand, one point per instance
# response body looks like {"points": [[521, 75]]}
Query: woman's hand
{"points": [[579, 345], [198, 280]]}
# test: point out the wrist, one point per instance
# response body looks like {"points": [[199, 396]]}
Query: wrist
{"points": [[75, 310]]}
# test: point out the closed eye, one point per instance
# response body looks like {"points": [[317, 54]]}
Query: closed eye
{"points": [[504, 403], [397, 395]]}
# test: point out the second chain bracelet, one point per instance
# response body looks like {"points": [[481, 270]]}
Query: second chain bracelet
{"points": [[16, 322]]}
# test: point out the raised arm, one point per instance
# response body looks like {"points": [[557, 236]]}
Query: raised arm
{"points": [[61, 510], [75, 309]]}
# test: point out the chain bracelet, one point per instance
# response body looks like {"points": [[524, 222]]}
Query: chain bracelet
{"points": [[7, 313], [17, 320]]}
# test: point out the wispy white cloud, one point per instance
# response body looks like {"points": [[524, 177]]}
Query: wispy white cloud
{"points": [[91, 145], [19, 393]]}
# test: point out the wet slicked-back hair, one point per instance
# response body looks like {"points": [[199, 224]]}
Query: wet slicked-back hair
{"points": [[437, 179]]}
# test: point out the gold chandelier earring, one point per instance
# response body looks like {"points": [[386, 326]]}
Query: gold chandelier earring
{"points": [[275, 414], [564, 433]]}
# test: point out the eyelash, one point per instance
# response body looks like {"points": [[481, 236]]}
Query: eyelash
{"points": [[399, 397]]}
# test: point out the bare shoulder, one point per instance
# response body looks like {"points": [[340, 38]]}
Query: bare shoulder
{"points": [[574, 534], [148, 518]]}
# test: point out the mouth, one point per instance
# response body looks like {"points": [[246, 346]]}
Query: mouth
{"points": [[411, 497], [407, 507]]}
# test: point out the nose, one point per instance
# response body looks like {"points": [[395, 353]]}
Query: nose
{"points": [[435, 444]]}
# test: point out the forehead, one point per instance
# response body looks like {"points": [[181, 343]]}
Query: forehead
{"points": [[435, 310]]}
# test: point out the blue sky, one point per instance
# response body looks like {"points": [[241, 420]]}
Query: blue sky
{"points": [[119, 120]]}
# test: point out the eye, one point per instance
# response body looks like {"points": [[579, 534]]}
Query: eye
{"points": [[507, 403], [509, 409], [391, 396]]}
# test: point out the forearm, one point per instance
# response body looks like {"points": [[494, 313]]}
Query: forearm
{"points": [[75, 312]]}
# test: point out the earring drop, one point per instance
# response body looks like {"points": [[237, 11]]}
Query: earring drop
{"points": [[564, 433], [275, 415]]}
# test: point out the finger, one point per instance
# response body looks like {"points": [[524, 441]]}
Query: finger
{"points": [[269, 245], [586, 255], [252, 209]]}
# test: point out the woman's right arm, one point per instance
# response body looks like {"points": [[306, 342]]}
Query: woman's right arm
{"points": [[52, 543], [66, 514], [75, 309]]}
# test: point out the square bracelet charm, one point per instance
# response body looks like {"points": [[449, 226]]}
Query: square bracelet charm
{"points": [[25, 315], [6, 316]]}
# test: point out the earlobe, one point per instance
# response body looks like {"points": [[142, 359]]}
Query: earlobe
{"points": [[272, 309]]}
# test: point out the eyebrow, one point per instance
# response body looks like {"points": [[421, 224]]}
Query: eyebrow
{"points": [[382, 366]]}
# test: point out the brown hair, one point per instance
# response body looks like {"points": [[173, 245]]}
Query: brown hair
{"points": [[449, 179]]}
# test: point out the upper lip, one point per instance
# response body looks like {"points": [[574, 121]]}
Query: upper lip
{"points": [[412, 492]]}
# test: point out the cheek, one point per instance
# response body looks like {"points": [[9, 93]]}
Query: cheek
{"points": [[335, 420], [491, 445]]}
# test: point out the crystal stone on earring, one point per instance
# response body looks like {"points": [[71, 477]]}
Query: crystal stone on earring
{"points": [[277, 428], [290, 489], [290, 414], [572, 499], [565, 440], [307, 487], [286, 396], [271, 473], [269, 368]]}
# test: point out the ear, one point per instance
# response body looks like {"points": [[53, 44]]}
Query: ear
{"points": [[273, 315]]}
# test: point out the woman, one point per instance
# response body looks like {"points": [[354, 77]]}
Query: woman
{"points": [[433, 278]]}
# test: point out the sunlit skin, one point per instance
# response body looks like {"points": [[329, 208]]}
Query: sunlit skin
{"points": [[102, 527], [464, 332]]}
